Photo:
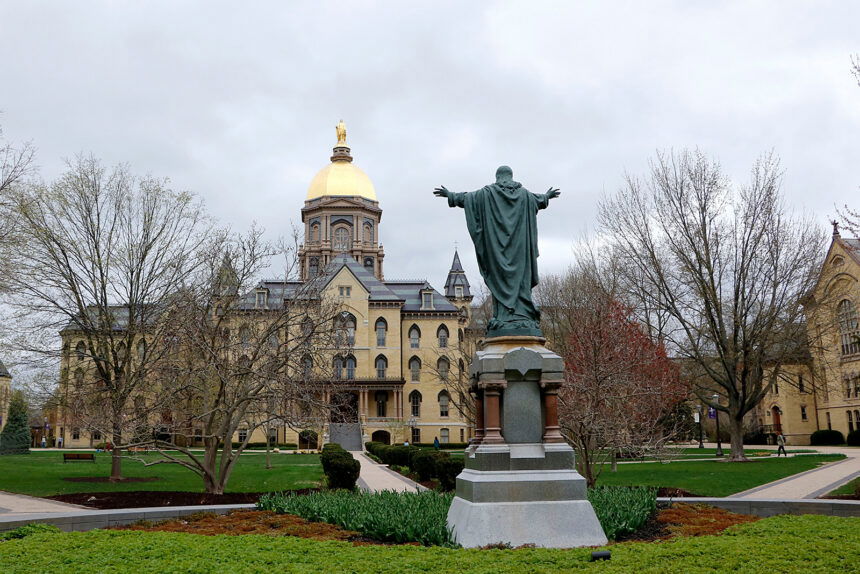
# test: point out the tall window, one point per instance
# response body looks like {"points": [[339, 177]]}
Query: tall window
{"points": [[350, 367], [414, 337], [829, 422], [381, 403], [381, 329], [443, 366], [381, 366], [415, 403], [245, 336], [314, 266], [849, 327], [368, 233], [850, 422], [341, 239], [81, 350], [415, 369], [141, 349], [338, 367], [307, 367], [444, 436], [444, 403], [416, 435], [803, 412], [315, 232], [800, 387], [345, 325], [442, 334]]}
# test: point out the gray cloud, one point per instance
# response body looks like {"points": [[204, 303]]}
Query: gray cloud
{"points": [[238, 103]]}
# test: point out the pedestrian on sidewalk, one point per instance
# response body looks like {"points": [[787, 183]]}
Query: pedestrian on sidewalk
{"points": [[436, 442], [780, 441]]}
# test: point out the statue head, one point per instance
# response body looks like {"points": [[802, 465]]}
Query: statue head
{"points": [[504, 173]]}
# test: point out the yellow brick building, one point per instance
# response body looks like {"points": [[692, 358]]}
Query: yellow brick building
{"points": [[5, 394], [398, 379], [822, 390]]}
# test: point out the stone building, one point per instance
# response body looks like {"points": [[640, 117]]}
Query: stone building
{"points": [[5, 393], [399, 379], [821, 390]]}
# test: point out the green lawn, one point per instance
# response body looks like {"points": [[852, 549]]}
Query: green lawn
{"points": [[849, 488], [780, 544], [715, 478], [42, 473]]}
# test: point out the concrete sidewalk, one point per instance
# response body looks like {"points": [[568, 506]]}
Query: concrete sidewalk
{"points": [[812, 483], [376, 477], [20, 504]]}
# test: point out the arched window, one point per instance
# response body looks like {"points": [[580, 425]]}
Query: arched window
{"points": [[460, 336], [444, 403], [415, 403], [368, 233], [381, 329], [415, 369], [381, 366], [307, 366], [121, 352], [81, 350], [461, 370], [314, 266], [79, 377], [414, 337], [345, 325], [443, 366], [337, 364], [442, 335], [141, 349], [381, 403], [342, 240], [848, 327], [315, 232], [850, 422]]}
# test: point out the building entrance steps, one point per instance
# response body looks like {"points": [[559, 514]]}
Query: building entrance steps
{"points": [[378, 477]]}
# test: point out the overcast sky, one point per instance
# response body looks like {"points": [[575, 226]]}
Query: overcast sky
{"points": [[237, 101]]}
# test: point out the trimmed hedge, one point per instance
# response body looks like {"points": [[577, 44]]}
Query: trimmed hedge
{"points": [[853, 438], [340, 467], [826, 437], [447, 470], [445, 445]]}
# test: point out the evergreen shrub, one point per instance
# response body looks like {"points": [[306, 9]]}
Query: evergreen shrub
{"points": [[447, 470], [15, 437], [853, 438], [826, 437], [424, 464], [339, 466]]}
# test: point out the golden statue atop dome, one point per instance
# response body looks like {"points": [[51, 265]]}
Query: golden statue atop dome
{"points": [[341, 134]]}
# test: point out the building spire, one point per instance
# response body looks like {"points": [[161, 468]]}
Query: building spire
{"points": [[835, 225], [457, 285]]}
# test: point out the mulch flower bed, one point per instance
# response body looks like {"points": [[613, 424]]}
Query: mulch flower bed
{"points": [[678, 520], [147, 498]]}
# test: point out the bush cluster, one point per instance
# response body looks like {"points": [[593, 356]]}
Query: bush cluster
{"points": [[427, 464], [826, 437], [340, 467], [27, 530], [853, 438]]}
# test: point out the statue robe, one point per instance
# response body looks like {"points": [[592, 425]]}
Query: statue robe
{"points": [[502, 221]]}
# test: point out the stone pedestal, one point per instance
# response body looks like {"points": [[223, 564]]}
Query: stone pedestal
{"points": [[520, 485]]}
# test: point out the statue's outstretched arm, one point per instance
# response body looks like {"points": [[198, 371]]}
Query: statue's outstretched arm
{"points": [[454, 199], [543, 198]]}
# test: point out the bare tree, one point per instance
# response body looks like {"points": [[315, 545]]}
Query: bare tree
{"points": [[16, 164], [247, 354], [101, 254], [727, 264]]}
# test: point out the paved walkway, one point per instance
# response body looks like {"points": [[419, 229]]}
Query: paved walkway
{"points": [[812, 483], [20, 504], [376, 477]]}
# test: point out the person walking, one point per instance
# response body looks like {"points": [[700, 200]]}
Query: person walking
{"points": [[780, 441], [436, 442]]}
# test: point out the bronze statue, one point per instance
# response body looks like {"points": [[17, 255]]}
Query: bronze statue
{"points": [[502, 221]]}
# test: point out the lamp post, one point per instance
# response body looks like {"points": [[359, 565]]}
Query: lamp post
{"points": [[699, 420], [719, 452]]}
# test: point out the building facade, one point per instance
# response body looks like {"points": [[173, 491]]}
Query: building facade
{"points": [[5, 394], [822, 389], [400, 376]]}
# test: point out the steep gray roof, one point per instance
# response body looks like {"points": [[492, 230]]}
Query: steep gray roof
{"points": [[456, 278], [410, 292], [4, 372]]}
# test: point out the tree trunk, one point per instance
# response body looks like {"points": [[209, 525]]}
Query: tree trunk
{"points": [[736, 435], [116, 454], [268, 450]]}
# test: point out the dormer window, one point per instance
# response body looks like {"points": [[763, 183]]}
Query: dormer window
{"points": [[458, 291], [262, 298], [426, 300], [344, 290]]}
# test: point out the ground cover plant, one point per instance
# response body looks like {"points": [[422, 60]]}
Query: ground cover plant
{"points": [[385, 516], [848, 491], [42, 473], [808, 544], [622, 510], [713, 478]]}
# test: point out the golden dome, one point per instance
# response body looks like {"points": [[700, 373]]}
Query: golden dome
{"points": [[341, 177]]}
